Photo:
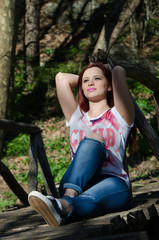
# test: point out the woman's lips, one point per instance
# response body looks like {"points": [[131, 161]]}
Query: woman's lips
{"points": [[91, 89]]}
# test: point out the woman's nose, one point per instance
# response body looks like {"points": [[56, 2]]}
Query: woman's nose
{"points": [[91, 82]]}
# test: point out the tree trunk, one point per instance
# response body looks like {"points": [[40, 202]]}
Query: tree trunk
{"points": [[123, 20], [101, 43], [107, 29], [7, 9], [146, 19], [142, 75], [133, 29], [32, 19]]}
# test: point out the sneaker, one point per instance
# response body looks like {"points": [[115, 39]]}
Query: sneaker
{"points": [[47, 207]]}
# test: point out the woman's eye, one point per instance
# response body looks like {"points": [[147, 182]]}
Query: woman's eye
{"points": [[85, 80], [97, 78]]}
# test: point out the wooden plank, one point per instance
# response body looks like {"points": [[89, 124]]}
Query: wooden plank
{"points": [[126, 236], [156, 100], [45, 165], [12, 126], [136, 221], [147, 131], [13, 184], [152, 211], [118, 224], [33, 164]]}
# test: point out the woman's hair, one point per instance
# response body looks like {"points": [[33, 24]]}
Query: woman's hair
{"points": [[82, 100]]}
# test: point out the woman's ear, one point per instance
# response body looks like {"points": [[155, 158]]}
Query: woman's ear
{"points": [[109, 88]]}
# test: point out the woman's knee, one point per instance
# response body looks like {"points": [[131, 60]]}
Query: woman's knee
{"points": [[96, 136]]}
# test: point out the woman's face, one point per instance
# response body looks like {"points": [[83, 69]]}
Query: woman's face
{"points": [[95, 84]]}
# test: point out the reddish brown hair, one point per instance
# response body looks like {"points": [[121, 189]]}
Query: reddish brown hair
{"points": [[82, 100]]}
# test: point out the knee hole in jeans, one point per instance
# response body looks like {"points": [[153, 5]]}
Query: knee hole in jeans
{"points": [[96, 136]]}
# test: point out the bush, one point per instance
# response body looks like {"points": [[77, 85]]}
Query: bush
{"points": [[18, 146]]}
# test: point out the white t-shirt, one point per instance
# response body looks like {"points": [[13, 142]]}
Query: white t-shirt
{"points": [[114, 130]]}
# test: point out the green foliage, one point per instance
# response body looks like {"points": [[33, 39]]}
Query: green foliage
{"points": [[143, 96], [59, 166], [27, 100], [49, 51], [153, 26], [155, 55], [22, 176], [8, 200], [122, 38], [18, 146]]}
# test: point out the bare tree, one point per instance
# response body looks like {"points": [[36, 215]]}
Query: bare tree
{"points": [[32, 19], [7, 9], [123, 20], [111, 31]]}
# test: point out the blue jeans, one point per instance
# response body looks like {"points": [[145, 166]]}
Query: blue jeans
{"points": [[98, 193]]}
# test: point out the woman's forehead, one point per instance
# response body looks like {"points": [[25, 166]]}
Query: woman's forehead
{"points": [[93, 71]]}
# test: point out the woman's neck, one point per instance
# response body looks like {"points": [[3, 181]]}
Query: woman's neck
{"points": [[97, 108]]}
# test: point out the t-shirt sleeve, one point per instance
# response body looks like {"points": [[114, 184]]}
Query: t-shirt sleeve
{"points": [[121, 119], [125, 127], [75, 115]]}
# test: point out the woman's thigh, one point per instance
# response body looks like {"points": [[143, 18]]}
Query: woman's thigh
{"points": [[109, 195], [86, 165]]}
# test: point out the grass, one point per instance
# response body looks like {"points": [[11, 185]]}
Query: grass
{"points": [[7, 200]]}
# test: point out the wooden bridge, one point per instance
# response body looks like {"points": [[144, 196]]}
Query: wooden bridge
{"points": [[140, 222]]}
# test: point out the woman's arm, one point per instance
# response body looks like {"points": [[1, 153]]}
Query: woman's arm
{"points": [[64, 84], [122, 98]]}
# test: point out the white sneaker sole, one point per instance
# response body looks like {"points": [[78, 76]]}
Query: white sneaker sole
{"points": [[44, 206]]}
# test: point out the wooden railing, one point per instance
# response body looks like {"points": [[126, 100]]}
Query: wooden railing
{"points": [[37, 153]]}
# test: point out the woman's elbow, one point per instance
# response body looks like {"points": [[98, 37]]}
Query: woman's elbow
{"points": [[119, 69], [59, 77]]}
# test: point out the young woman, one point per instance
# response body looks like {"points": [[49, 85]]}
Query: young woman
{"points": [[95, 182]]}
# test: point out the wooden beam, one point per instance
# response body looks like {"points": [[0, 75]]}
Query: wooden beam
{"points": [[13, 184], [41, 154], [125, 236], [156, 100], [33, 164], [147, 131], [12, 126]]}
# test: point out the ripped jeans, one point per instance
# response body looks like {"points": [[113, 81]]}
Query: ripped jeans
{"points": [[98, 193]]}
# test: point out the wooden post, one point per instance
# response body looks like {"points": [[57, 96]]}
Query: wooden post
{"points": [[33, 164], [13, 184], [45, 165], [147, 131], [156, 100]]}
